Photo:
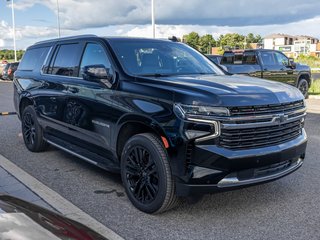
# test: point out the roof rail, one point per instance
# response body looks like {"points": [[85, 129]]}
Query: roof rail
{"points": [[67, 38]]}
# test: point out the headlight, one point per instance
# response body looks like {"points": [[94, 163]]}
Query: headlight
{"points": [[198, 125], [192, 110]]}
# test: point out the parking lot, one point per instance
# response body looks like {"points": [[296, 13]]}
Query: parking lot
{"points": [[285, 209]]}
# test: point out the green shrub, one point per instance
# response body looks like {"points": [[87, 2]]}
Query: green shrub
{"points": [[315, 88], [311, 61]]}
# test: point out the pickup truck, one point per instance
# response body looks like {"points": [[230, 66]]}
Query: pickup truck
{"points": [[268, 64]]}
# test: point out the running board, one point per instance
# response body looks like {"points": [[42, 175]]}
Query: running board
{"points": [[84, 154]]}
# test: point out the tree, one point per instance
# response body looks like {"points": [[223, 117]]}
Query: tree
{"points": [[231, 40], [206, 42], [9, 54], [251, 38], [192, 39]]}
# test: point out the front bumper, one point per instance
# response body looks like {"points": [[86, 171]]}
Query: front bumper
{"points": [[218, 169]]}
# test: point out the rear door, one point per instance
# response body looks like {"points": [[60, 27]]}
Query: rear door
{"points": [[87, 112], [58, 73]]}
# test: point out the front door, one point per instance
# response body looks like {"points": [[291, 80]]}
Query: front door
{"points": [[275, 67]]}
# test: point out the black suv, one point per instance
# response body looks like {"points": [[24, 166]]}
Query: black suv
{"points": [[160, 113]]}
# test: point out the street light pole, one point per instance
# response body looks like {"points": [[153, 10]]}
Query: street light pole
{"points": [[152, 19], [58, 18], [14, 31]]}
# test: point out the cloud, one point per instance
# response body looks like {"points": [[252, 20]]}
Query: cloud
{"points": [[178, 17], [304, 27], [79, 14], [25, 35]]}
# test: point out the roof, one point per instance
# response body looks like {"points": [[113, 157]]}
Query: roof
{"points": [[66, 38], [279, 35], [95, 36]]}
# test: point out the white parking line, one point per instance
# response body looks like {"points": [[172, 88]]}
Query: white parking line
{"points": [[65, 207]]}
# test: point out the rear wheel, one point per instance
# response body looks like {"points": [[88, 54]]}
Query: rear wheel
{"points": [[146, 174], [32, 131], [303, 86]]}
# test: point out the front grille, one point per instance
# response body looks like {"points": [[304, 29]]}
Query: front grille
{"points": [[266, 109], [260, 136], [261, 126]]}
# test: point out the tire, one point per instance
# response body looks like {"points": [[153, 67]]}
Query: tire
{"points": [[303, 86], [31, 131], [146, 174]]}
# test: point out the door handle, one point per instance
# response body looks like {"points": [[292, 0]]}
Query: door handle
{"points": [[72, 90]]}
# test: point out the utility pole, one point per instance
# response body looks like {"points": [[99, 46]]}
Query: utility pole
{"points": [[14, 30], [58, 19], [152, 20]]}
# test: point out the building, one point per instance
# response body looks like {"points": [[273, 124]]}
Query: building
{"points": [[291, 45]]}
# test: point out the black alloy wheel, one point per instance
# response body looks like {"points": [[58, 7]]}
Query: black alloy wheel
{"points": [[32, 131], [142, 175], [29, 129], [303, 86], [146, 174]]}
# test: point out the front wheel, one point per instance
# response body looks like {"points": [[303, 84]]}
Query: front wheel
{"points": [[146, 174], [303, 86]]}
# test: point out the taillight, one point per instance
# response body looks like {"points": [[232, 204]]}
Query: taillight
{"points": [[9, 71]]}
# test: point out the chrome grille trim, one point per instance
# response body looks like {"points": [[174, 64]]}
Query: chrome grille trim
{"points": [[270, 121], [262, 130]]}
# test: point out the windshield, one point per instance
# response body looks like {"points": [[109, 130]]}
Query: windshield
{"points": [[160, 58]]}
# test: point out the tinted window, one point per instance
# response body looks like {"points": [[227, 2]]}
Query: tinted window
{"points": [[267, 58], [281, 59], [141, 57], [94, 54], [33, 58], [249, 58], [14, 65], [66, 61], [228, 58], [215, 59]]}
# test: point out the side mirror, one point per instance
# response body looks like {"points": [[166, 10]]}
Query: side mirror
{"points": [[99, 73], [291, 63]]}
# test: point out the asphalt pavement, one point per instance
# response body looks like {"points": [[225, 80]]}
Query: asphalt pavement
{"points": [[288, 208]]}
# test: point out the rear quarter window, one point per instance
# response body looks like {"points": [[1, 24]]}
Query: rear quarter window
{"points": [[33, 59]]}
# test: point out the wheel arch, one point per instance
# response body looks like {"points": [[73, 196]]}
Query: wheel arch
{"points": [[131, 125], [24, 102], [304, 75]]}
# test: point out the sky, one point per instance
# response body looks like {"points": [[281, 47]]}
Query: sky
{"points": [[36, 20]]}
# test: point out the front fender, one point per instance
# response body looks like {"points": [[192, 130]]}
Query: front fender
{"points": [[140, 119]]}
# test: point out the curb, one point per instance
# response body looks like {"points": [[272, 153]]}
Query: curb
{"points": [[314, 96], [7, 113], [65, 207]]}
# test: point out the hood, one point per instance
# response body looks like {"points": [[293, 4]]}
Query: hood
{"points": [[19, 218], [225, 90], [302, 67]]}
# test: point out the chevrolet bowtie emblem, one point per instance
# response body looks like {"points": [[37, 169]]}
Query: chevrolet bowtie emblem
{"points": [[280, 118]]}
